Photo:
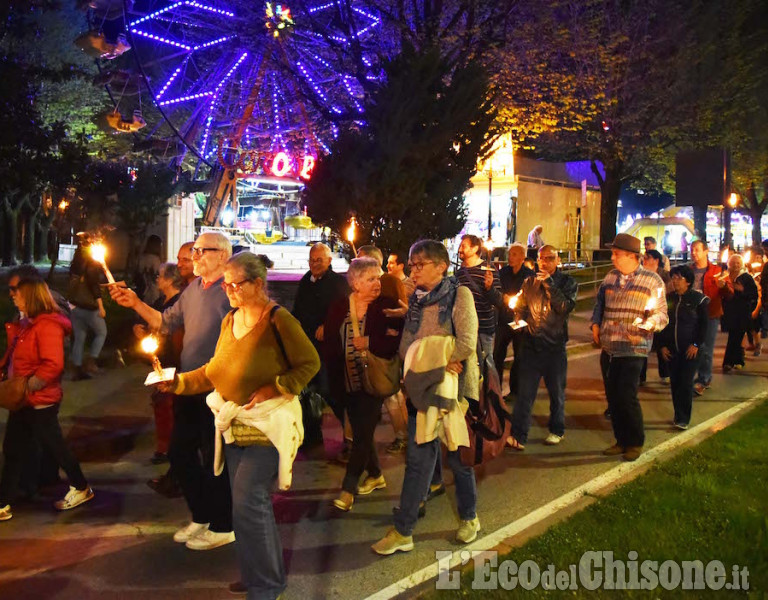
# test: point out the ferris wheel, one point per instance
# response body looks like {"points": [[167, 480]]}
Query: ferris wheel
{"points": [[255, 87]]}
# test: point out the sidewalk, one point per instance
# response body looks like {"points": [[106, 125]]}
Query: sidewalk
{"points": [[119, 545]]}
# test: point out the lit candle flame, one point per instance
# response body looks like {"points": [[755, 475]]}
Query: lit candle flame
{"points": [[513, 300], [724, 256], [756, 265], [99, 254], [747, 256], [351, 231], [149, 344]]}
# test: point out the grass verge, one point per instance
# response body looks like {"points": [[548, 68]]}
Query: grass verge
{"points": [[708, 503]]}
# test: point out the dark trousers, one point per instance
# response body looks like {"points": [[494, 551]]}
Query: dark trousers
{"points": [[505, 335], [191, 456], [682, 372], [734, 353], [663, 367], [162, 404], [252, 471], [364, 413], [26, 428], [622, 381], [551, 364]]}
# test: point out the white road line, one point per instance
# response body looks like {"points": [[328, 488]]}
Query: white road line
{"points": [[590, 487]]}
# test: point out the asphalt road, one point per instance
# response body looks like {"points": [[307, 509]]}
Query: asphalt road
{"points": [[119, 545]]}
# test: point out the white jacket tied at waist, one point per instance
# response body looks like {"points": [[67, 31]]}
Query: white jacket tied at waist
{"points": [[278, 418], [440, 410]]}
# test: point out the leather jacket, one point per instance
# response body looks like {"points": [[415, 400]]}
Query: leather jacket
{"points": [[545, 306]]}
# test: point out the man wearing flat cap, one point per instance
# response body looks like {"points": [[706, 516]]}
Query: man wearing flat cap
{"points": [[631, 305]]}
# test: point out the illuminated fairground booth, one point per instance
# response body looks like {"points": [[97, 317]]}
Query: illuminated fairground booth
{"points": [[511, 194]]}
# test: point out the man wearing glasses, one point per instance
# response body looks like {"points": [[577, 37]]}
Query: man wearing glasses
{"points": [[199, 310], [546, 301], [318, 288]]}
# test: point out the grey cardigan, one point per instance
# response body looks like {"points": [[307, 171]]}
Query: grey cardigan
{"points": [[465, 326]]}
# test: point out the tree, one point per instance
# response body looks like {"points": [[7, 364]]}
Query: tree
{"points": [[403, 174], [618, 83], [142, 201]]}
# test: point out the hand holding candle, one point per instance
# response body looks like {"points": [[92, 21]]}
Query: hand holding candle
{"points": [[99, 254], [650, 306], [512, 304]]}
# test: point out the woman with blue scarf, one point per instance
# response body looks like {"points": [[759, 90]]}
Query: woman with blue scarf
{"points": [[438, 307]]}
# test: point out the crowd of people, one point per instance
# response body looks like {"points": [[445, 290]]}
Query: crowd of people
{"points": [[253, 378]]}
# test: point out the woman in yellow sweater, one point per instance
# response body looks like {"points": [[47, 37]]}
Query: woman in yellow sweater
{"points": [[249, 367]]}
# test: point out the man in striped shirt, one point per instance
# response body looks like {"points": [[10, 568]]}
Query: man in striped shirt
{"points": [[631, 305], [483, 282]]}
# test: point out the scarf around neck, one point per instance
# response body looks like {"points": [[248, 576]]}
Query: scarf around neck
{"points": [[443, 294]]}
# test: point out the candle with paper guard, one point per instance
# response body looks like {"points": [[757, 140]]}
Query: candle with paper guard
{"points": [[99, 254], [149, 345]]}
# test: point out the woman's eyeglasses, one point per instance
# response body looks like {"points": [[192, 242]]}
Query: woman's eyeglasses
{"points": [[419, 265], [234, 287]]}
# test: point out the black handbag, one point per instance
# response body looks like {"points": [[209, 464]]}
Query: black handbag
{"points": [[379, 376]]}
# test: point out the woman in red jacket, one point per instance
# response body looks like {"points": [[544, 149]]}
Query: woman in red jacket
{"points": [[36, 352]]}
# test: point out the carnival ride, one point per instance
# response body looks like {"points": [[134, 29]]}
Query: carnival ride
{"points": [[254, 91]]}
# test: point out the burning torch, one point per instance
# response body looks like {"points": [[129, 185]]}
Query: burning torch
{"points": [[99, 254], [351, 233], [489, 246]]}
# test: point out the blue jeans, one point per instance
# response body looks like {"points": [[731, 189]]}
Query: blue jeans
{"points": [[83, 321], [420, 462], [707, 352], [486, 341], [252, 474], [550, 363]]}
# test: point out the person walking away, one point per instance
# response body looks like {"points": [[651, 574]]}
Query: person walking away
{"points": [[511, 278], [318, 289], [343, 352], [36, 352], [88, 314], [705, 275], [199, 311], [440, 313], [545, 304], [738, 292], [631, 305], [681, 339]]}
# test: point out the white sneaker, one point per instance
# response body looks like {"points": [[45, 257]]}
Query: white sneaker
{"points": [[183, 535], [5, 512], [553, 439], [74, 498], [208, 540]]}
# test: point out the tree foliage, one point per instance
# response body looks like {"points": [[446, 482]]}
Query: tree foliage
{"points": [[403, 174], [623, 83]]}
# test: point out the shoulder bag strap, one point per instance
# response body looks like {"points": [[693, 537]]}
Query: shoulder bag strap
{"points": [[276, 333]]}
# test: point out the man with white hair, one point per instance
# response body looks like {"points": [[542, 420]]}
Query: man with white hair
{"points": [[535, 241], [199, 310]]}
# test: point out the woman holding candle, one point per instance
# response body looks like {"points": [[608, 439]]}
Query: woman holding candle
{"points": [[37, 354], [344, 345], [88, 314], [738, 290], [262, 353]]}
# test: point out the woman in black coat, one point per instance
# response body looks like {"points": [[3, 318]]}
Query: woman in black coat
{"points": [[739, 293]]}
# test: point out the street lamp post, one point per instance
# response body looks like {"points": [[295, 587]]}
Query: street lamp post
{"points": [[499, 162]]}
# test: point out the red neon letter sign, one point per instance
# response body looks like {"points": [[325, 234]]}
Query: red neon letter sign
{"points": [[307, 167], [281, 164]]}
